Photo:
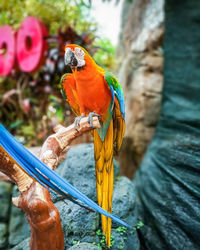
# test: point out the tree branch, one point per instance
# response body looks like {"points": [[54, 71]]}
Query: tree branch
{"points": [[57, 143]]}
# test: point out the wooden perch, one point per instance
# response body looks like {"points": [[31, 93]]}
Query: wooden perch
{"points": [[4, 177], [57, 143], [34, 199]]}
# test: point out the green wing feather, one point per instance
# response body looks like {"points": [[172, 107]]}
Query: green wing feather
{"points": [[113, 83], [118, 111], [68, 90], [61, 86]]}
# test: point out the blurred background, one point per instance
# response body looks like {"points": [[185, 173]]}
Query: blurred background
{"points": [[129, 38], [123, 36]]}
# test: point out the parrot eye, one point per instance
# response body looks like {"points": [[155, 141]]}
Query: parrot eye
{"points": [[79, 53]]}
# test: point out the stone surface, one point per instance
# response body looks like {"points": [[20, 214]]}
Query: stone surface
{"points": [[80, 165], [24, 245], [3, 234], [127, 240], [77, 223], [84, 246], [141, 76], [124, 199], [5, 197], [167, 181], [18, 225], [80, 224], [124, 206], [5, 204]]}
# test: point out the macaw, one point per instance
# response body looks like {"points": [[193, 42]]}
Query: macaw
{"points": [[44, 175], [91, 91]]}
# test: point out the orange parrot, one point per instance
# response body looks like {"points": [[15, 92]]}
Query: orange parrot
{"points": [[91, 91]]}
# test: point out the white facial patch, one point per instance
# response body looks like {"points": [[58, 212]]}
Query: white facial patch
{"points": [[68, 54], [80, 55]]}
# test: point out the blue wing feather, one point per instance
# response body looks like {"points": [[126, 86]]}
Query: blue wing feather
{"points": [[113, 96], [118, 92], [44, 175]]}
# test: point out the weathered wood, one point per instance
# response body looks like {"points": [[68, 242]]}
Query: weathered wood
{"points": [[4, 177], [34, 199], [57, 143]]}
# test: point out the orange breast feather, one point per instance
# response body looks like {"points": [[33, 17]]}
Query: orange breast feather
{"points": [[69, 86], [93, 92]]}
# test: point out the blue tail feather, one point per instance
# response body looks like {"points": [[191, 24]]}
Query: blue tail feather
{"points": [[43, 181], [44, 175]]}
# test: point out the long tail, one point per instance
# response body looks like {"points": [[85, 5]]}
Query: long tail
{"points": [[44, 175], [103, 151]]}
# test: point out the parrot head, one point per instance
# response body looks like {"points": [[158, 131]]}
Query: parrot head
{"points": [[75, 56]]}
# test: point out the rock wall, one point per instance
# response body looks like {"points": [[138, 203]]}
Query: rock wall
{"points": [[79, 225], [5, 197], [13, 225], [141, 57]]}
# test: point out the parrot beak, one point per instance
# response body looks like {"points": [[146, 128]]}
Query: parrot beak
{"points": [[70, 58]]}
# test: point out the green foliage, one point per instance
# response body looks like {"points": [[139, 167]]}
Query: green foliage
{"points": [[102, 243], [31, 104], [55, 14], [75, 242], [105, 55], [121, 231], [102, 240], [139, 225]]}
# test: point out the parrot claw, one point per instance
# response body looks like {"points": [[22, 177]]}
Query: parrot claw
{"points": [[90, 118], [77, 122]]}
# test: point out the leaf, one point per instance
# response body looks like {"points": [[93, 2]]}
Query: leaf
{"points": [[15, 124]]}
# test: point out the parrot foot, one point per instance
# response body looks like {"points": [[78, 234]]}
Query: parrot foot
{"points": [[90, 118], [77, 122]]}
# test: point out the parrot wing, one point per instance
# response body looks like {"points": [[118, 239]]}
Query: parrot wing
{"points": [[111, 132], [118, 109], [69, 93], [44, 175]]}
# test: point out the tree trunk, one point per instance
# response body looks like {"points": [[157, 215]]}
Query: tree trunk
{"points": [[141, 77]]}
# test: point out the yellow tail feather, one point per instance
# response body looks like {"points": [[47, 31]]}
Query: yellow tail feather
{"points": [[103, 151]]}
